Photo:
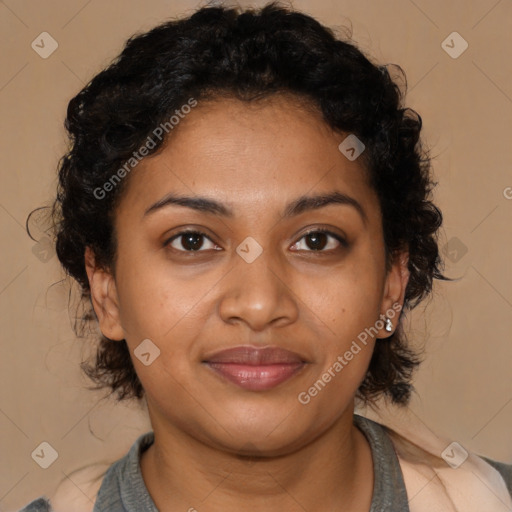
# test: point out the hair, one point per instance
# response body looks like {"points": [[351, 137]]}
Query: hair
{"points": [[249, 55]]}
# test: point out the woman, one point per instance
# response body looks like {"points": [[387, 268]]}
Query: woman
{"points": [[247, 206]]}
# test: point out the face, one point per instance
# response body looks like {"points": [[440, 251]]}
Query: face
{"points": [[260, 265]]}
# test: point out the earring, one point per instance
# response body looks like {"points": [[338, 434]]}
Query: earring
{"points": [[389, 325]]}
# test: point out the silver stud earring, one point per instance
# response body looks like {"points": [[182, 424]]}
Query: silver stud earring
{"points": [[389, 325]]}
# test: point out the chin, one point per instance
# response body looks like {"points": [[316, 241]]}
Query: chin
{"points": [[272, 431]]}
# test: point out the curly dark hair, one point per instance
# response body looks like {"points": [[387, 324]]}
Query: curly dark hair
{"points": [[246, 54]]}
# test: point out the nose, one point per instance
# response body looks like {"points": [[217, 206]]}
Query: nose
{"points": [[257, 294]]}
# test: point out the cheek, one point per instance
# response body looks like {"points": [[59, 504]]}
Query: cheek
{"points": [[158, 299], [347, 300], [351, 306], [346, 307]]}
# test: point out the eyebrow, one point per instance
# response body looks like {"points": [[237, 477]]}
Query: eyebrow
{"points": [[296, 207]]}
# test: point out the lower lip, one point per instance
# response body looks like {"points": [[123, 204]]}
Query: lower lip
{"points": [[256, 378]]}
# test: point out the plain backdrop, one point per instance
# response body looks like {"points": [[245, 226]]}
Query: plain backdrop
{"points": [[464, 387]]}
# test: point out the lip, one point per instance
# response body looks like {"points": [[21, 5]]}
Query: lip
{"points": [[255, 369]]}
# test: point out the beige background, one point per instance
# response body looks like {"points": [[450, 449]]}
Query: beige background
{"points": [[464, 387]]}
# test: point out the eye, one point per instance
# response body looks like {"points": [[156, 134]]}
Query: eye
{"points": [[318, 241], [191, 241]]}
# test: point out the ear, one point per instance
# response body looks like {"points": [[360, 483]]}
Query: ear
{"points": [[394, 291], [104, 297]]}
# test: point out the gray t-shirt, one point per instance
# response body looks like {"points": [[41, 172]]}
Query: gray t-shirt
{"points": [[123, 488]]}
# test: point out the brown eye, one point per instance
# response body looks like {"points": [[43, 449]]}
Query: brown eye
{"points": [[191, 241], [316, 241], [320, 241]]}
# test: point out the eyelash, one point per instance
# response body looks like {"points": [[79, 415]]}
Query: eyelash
{"points": [[341, 240]]}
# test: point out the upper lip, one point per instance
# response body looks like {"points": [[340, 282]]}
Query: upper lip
{"points": [[255, 356]]}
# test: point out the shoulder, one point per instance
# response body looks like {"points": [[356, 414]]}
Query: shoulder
{"points": [[467, 482], [440, 474], [78, 491], [99, 483], [39, 505], [505, 470]]}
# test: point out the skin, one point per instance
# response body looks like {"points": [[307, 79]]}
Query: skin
{"points": [[254, 159]]}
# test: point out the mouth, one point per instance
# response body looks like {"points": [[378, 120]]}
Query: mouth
{"points": [[255, 369]]}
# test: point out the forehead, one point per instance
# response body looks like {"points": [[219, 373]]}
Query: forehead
{"points": [[250, 155]]}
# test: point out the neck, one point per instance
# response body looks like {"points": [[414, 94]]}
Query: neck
{"points": [[182, 473]]}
